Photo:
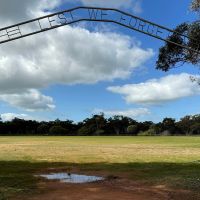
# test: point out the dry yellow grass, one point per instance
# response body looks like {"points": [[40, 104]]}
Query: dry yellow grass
{"points": [[100, 149]]}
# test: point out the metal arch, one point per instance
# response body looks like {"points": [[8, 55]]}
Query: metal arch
{"points": [[94, 14]]}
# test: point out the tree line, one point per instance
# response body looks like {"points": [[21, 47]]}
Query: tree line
{"points": [[169, 56], [98, 125]]}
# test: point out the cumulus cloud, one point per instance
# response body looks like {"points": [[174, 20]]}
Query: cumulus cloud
{"points": [[20, 10], [11, 116], [134, 4], [157, 91], [11, 12], [30, 100], [68, 55], [133, 113]]}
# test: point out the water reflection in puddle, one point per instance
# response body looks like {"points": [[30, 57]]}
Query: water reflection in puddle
{"points": [[72, 178]]}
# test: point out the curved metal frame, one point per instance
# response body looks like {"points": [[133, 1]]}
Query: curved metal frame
{"points": [[94, 14]]}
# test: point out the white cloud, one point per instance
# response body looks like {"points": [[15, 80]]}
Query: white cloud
{"points": [[137, 7], [68, 55], [157, 91], [133, 113], [134, 4], [11, 116], [20, 10], [30, 100]]}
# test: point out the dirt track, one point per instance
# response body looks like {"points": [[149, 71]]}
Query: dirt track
{"points": [[119, 189]]}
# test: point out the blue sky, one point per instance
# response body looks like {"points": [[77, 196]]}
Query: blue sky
{"points": [[69, 89]]}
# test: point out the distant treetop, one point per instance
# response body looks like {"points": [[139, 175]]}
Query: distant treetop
{"points": [[195, 5]]}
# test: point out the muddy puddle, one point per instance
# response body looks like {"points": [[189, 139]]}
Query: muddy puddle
{"points": [[71, 178]]}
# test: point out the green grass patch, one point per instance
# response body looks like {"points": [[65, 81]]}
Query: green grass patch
{"points": [[170, 161]]}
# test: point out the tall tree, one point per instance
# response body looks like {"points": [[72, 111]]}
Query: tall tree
{"points": [[171, 54], [168, 124], [120, 123], [185, 124], [195, 5]]}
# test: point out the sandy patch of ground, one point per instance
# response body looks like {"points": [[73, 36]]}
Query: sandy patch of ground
{"points": [[110, 189]]}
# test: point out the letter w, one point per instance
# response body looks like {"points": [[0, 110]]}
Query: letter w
{"points": [[93, 13]]}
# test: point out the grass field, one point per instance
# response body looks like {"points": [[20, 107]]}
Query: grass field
{"points": [[172, 161]]}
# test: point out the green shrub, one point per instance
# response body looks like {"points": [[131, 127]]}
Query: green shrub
{"points": [[132, 129], [99, 132], [84, 130], [195, 129], [43, 129], [57, 130], [150, 132]]}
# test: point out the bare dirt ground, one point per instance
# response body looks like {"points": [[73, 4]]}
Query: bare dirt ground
{"points": [[110, 189]]}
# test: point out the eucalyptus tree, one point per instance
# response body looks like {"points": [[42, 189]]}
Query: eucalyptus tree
{"points": [[170, 54]]}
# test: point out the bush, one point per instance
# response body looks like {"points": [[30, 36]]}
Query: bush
{"points": [[132, 129], [43, 129], [166, 133], [58, 130], [99, 132], [150, 132], [83, 131], [195, 129]]}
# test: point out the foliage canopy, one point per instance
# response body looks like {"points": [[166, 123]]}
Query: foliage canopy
{"points": [[171, 54]]}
